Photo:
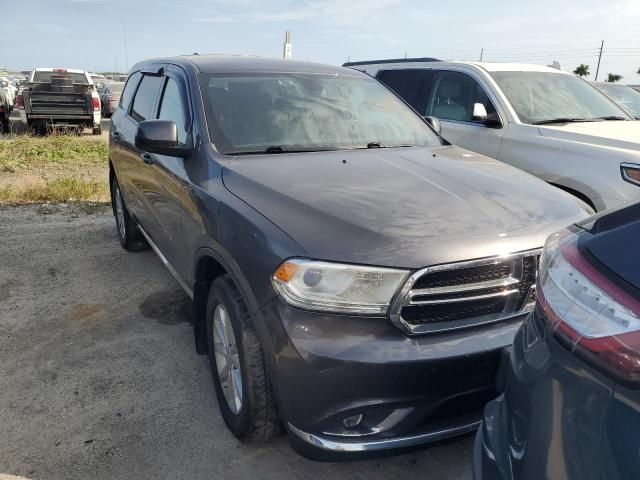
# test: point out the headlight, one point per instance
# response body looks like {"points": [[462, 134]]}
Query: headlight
{"points": [[630, 173], [335, 287]]}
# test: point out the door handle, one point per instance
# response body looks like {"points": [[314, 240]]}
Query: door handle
{"points": [[146, 158]]}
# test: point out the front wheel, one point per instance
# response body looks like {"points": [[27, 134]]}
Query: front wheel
{"points": [[4, 124], [128, 233], [242, 384]]}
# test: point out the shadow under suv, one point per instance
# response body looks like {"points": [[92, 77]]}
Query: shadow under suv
{"points": [[354, 277]]}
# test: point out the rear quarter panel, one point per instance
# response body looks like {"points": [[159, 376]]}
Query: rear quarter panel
{"points": [[621, 435]]}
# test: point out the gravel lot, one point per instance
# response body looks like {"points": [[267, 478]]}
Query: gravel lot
{"points": [[99, 378]]}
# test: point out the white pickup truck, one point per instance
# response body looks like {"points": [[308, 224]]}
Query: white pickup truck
{"points": [[547, 122], [60, 97]]}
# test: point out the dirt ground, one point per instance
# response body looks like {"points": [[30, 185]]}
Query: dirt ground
{"points": [[99, 378]]}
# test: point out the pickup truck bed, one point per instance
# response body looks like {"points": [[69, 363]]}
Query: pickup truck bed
{"points": [[60, 98], [73, 106]]}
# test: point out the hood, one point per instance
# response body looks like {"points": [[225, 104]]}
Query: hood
{"points": [[403, 207], [618, 134]]}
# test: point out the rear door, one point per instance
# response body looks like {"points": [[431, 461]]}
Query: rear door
{"points": [[123, 127], [412, 85], [134, 171], [451, 100]]}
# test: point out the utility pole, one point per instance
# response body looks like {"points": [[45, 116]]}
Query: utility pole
{"points": [[116, 59], [599, 57], [126, 52], [286, 51], [481, 53]]}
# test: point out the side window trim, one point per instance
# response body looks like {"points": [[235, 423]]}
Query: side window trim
{"points": [[436, 84], [130, 78]]}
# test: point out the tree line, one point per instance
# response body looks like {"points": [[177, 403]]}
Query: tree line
{"points": [[582, 70]]}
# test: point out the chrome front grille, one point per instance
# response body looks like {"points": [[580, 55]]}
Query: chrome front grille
{"points": [[466, 294]]}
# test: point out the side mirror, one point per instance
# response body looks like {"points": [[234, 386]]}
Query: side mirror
{"points": [[479, 113], [161, 137], [435, 123]]}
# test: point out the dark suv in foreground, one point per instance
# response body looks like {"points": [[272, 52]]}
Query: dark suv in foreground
{"points": [[354, 276], [571, 406]]}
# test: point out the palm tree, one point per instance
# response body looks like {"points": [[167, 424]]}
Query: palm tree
{"points": [[582, 70], [613, 77]]}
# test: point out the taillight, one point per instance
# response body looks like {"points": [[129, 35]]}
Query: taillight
{"points": [[587, 310], [96, 103], [20, 102]]}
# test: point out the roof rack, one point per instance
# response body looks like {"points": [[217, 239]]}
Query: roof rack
{"points": [[392, 60]]}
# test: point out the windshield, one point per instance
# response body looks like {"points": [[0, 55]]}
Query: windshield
{"points": [[625, 96], [45, 77], [542, 97], [279, 112], [116, 87]]}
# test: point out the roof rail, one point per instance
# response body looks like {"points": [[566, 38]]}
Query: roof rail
{"points": [[392, 60]]}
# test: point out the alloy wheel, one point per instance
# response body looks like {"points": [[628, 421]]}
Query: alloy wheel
{"points": [[227, 358]]}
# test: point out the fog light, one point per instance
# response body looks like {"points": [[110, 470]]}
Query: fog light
{"points": [[352, 421]]}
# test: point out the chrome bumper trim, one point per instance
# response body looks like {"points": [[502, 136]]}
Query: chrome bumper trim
{"points": [[332, 445]]}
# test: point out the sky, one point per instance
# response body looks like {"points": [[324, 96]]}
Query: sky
{"points": [[90, 34]]}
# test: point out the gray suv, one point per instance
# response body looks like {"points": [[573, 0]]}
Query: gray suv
{"points": [[354, 277]]}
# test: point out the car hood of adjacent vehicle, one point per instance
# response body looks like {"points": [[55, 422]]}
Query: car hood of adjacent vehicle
{"points": [[613, 133], [404, 207]]}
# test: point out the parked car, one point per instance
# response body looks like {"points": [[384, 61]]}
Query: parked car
{"points": [[5, 111], [353, 275], [60, 97], [9, 90], [110, 97], [547, 122], [571, 408], [97, 78], [624, 95]]}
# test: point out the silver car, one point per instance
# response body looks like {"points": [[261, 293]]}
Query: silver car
{"points": [[547, 122]]}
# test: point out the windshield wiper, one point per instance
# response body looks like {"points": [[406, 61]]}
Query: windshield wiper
{"points": [[562, 120], [381, 145], [610, 117], [278, 149]]}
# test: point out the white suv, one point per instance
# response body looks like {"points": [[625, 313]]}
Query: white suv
{"points": [[547, 122]]}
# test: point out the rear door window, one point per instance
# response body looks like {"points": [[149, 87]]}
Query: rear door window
{"points": [[413, 85], [129, 89], [454, 95], [144, 102]]}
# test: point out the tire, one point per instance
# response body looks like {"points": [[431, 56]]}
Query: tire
{"points": [[256, 418], [128, 233], [4, 124], [97, 130]]}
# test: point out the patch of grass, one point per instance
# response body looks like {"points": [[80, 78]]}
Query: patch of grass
{"points": [[29, 153], [63, 189]]}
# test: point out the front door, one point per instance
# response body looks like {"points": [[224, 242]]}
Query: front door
{"points": [[452, 100]]}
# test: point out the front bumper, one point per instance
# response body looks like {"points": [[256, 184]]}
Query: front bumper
{"points": [[331, 369]]}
